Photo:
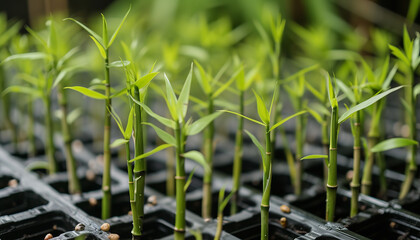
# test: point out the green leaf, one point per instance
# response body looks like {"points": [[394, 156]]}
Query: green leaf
{"points": [[259, 146], [99, 46], [197, 157], [200, 124], [144, 81], [166, 137], [52, 38], [250, 77], [38, 38], [38, 165], [114, 35], [247, 118], [225, 201], [393, 143], [67, 56], [408, 44], [315, 156], [26, 56], [118, 142], [225, 85], [285, 120], [145, 155], [347, 91], [94, 35], [188, 182], [22, 89], [119, 64], [119, 93], [262, 110], [366, 104], [116, 118], [129, 127], [104, 31], [389, 78], [416, 90], [165, 121], [203, 78], [87, 92], [61, 76], [399, 54], [182, 102], [301, 72], [331, 94], [315, 92], [73, 115], [315, 115], [171, 99]]}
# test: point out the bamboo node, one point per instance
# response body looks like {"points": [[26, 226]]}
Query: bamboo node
{"points": [[105, 188], [179, 229], [331, 186], [265, 206], [179, 177], [107, 85], [356, 124], [356, 148], [333, 149], [268, 153]]}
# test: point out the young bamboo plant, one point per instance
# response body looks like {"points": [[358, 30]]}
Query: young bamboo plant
{"points": [[182, 129], [212, 88], [103, 44], [410, 60], [221, 206], [55, 57], [242, 84], [265, 116], [334, 129], [376, 83]]}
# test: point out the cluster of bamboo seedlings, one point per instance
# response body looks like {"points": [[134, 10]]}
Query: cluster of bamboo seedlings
{"points": [[45, 62]]}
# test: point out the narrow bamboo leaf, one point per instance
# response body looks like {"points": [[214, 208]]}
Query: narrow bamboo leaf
{"points": [[285, 120], [368, 71], [416, 90], [99, 46], [393, 143], [315, 92], [203, 78], [314, 157], [37, 165], [225, 85], [145, 155], [219, 75], [316, 116], [114, 35], [118, 142], [247, 118], [347, 91], [182, 102], [145, 80], [165, 121], [225, 202], [406, 106], [197, 157], [87, 92], [94, 35], [266, 192], [331, 95], [384, 71], [301, 72], [104, 31], [188, 182], [119, 93], [250, 77], [52, 38], [259, 146], [73, 115], [408, 44], [399, 54], [262, 110], [221, 196], [26, 56], [22, 89], [116, 118], [166, 137], [171, 99], [37, 37], [366, 104], [119, 64], [67, 56], [129, 127], [415, 58], [240, 78], [390, 76], [63, 74], [200, 124], [226, 104]]}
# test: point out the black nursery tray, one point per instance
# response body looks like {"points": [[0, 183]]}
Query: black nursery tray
{"points": [[33, 204]]}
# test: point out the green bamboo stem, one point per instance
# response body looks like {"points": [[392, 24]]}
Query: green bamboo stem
{"points": [[219, 226], [325, 144], [355, 183], [411, 168], [139, 165], [49, 132], [106, 179], [136, 231], [237, 160], [332, 166], [208, 175], [170, 172], [265, 202], [74, 184], [31, 135], [179, 230]]}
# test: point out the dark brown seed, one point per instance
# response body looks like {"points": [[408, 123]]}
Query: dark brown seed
{"points": [[48, 236], [113, 236], [283, 222], [105, 227], [285, 208], [79, 227]]}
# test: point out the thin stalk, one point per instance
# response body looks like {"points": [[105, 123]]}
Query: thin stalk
{"points": [[106, 179], [208, 175], [237, 160], [325, 145], [31, 135], [136, 231], [49, 132], [332, 167], [179, 230], [355, 183], [6, 111], [74, 184], [170, 171], [139, 165], [299, 149], [373, 139], [411, 168], [265, 203], [219, 226]]}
